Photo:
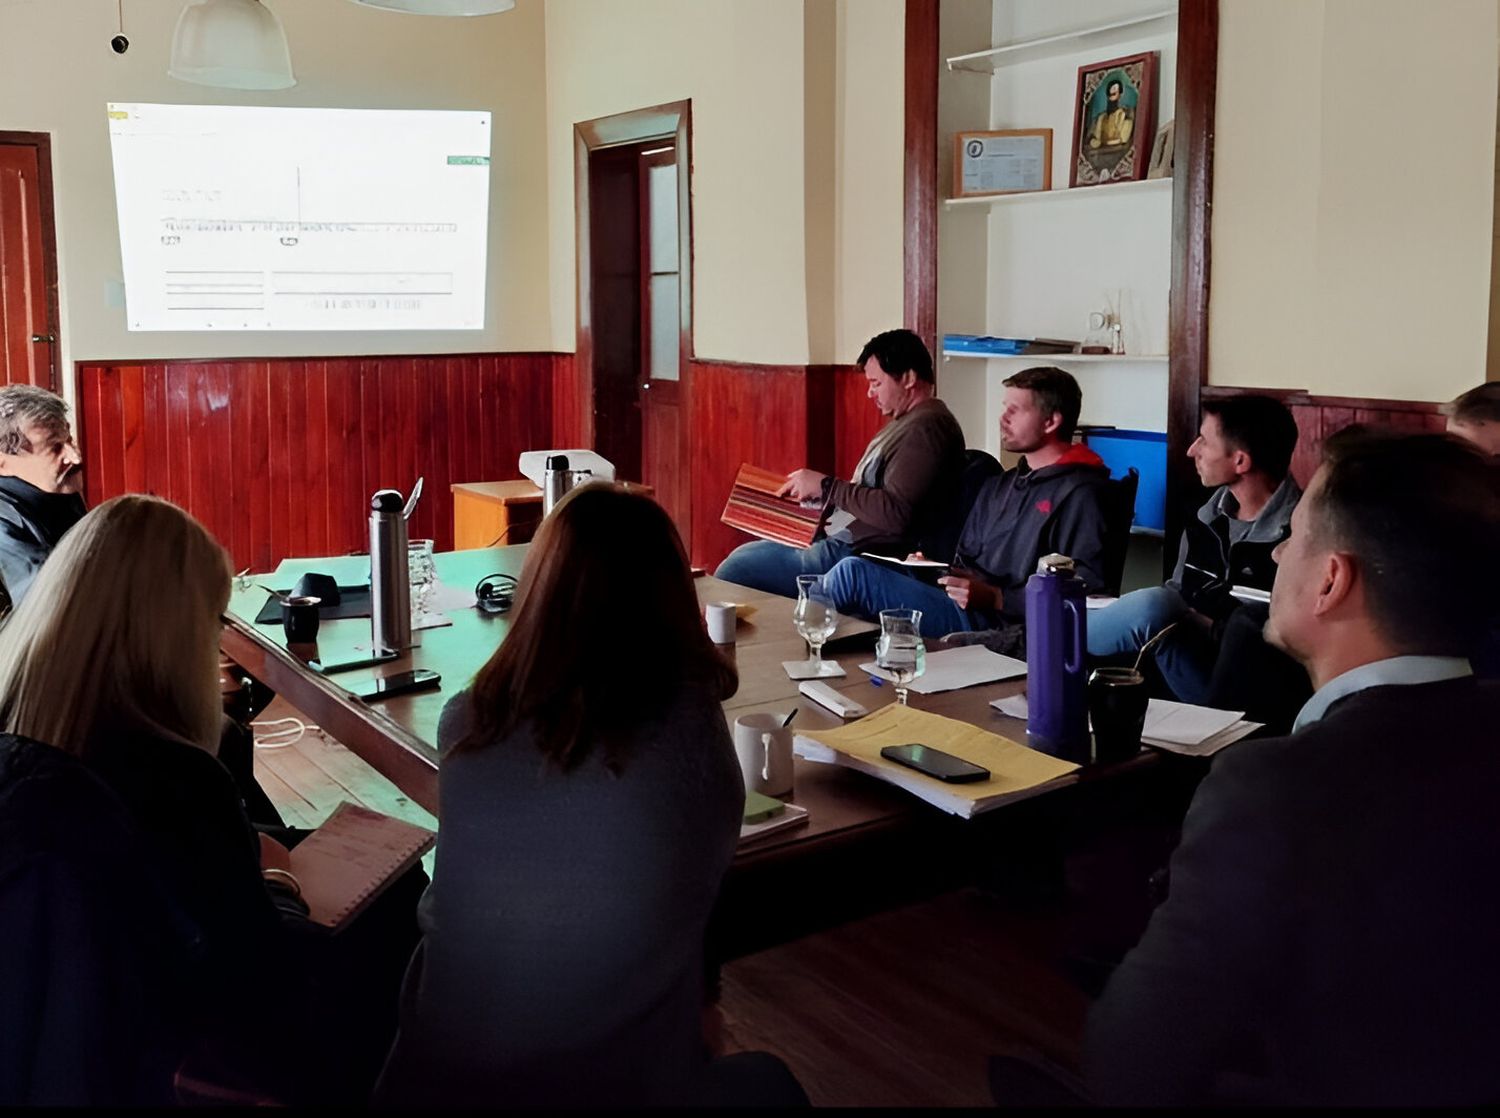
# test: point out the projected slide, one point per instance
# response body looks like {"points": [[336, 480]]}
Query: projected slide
{"points": [[247, 218]]}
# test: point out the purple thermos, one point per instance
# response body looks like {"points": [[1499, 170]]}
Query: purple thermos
{"points": [[1056, 643]]}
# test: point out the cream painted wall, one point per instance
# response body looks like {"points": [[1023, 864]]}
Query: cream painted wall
{"points": [[740, 63], [1353, 196], [869, 235], [797, 150], [57, 72]]}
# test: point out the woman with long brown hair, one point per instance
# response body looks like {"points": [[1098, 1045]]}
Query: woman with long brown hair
{"points": [[590, 804]]}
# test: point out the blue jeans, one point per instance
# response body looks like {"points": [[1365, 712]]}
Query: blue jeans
{"points": [[774, 567], [1185, 657], [863, 588]]}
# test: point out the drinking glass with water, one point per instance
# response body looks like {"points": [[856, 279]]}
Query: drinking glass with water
{"points": [[900, 651], [423, 573], [814, 616]]}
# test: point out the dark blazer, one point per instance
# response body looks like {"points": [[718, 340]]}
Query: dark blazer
{"points": [[1330, 935], [92, 1002]]}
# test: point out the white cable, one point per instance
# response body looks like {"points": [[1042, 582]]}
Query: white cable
{"points": [[295, 730]]}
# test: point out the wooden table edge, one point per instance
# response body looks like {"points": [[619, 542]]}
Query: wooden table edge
{"points": [[385, 745]]}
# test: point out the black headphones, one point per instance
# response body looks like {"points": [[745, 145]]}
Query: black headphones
{"points": [[495, 593]]}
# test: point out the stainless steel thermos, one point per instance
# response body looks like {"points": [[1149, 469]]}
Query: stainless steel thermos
{"points": [[558, 481], [390, 580]]}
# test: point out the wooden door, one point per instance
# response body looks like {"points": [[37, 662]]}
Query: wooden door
{"points": [[663, 438], [615, 282], [28, 262]]}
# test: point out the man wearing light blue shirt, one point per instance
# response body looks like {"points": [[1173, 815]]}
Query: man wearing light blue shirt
{"points": [[1329, 934]]}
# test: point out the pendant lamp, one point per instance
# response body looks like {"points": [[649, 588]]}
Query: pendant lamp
{"points": [[232, 44], [442, 7]]}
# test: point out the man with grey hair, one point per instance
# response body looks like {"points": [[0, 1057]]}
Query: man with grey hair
{"points": [[40, 479]]}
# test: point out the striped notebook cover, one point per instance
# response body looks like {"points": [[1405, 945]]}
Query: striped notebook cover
{"points": [[754, 507]]}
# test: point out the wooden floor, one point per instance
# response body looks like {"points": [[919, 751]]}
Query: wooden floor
{"points": [[904, 1008], [898, 1009], [312, 775]]}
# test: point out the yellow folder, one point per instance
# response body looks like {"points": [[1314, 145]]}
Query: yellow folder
{"points": [[1016, 771]]}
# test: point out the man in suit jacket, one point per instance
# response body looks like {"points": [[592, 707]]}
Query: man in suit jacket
{"points": [[1329, 936]]}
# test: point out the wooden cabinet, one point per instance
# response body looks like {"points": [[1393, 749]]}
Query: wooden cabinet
{"points": [[496, 513]]}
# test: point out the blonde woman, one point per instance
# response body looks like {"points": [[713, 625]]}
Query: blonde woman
{"points": [[113, 658], [590, 805]]}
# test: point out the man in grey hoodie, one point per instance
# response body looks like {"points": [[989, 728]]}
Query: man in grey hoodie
{"points": [[1244, 451]]}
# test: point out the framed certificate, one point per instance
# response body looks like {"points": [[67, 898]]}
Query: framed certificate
{"points": [[1007, 162]]}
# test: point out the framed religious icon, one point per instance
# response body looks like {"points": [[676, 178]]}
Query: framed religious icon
{"points": [[1006, 162], [1114, 120]]}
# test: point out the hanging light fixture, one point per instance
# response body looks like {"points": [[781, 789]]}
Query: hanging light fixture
{"points": [[233, 44], [442, 7]]}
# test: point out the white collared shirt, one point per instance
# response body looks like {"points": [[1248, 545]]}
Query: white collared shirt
{"points": [[1394, 671]]}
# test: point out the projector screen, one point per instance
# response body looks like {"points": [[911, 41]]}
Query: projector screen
{"points": [[248, 218]]}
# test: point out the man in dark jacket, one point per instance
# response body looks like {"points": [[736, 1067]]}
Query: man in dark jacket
{"points": [[1053, 501], [917, 455], [39, 483], [1328, 939], [1243, 451]]}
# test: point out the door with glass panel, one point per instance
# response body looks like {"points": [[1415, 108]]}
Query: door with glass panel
{"points": [[663, 441]]}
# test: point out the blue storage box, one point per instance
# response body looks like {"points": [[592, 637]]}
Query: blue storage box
{"points": [[980, 343], [1147, 452]]}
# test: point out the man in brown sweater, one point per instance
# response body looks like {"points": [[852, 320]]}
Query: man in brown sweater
{"points": [[914, 459]]}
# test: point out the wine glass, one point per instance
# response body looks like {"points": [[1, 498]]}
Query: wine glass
{"points": [[814, 616], [900, 651], [422, 572]]}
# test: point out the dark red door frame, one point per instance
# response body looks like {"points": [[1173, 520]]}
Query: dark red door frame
{"points": [[672, 121]]}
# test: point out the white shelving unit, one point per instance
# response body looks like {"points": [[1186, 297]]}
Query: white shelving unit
{"points": [[1074, 193], [1094, 37], [1039, 263]]}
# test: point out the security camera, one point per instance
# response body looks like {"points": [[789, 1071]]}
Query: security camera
{"points": [[119, 44]]}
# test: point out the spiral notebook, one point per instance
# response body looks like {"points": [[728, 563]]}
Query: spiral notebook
{"points": [[348, 861]]}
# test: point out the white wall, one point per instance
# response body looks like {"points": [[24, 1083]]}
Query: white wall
{"points": [[869, 238], [797, 150], [57, 72], [1353, 196]]}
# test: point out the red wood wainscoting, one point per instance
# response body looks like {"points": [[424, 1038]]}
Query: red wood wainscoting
{"points": [[1320, 416], [780, 417], [279, 457]]}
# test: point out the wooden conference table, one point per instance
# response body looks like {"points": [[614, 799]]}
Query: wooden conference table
{"points": [[397, 736]]}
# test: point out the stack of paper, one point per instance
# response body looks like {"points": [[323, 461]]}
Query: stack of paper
{"points": [[954, 668], [1015, 770], [1176, 727], [1193, 730]]}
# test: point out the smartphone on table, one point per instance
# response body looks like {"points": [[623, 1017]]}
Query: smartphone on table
{"points": [[421, 679], [934, 762], [381, 657]]}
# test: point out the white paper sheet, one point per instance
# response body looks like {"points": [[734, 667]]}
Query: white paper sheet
{"points": [[953, 668], [1181, 721], [1185, 724]]}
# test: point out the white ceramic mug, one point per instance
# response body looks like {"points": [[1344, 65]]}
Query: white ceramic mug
{"points": [[764, 748], [721, 622]]}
